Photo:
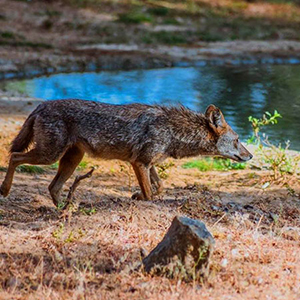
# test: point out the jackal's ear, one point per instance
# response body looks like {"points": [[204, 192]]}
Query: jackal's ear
{"points": [[215, 118]]}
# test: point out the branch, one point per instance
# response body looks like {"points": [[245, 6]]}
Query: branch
{"points": [[75, 185]]}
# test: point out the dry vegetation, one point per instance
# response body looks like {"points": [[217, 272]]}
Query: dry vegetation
{"points": [[94, 254], [68, 23], [44, 37]]}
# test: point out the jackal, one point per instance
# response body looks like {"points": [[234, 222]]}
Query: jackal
{"points": [[143, 135]]}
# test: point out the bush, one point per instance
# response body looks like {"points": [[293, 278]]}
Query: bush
{"points": [[275, 158], [257, 124]]}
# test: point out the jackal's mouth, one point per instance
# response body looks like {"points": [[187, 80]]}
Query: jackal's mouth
{"points": [[239, 159]]}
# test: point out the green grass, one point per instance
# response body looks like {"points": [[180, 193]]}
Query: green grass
{"points": [[208, 36], [88, 211], [158, 11], [135, 17], [25, 44], [164, 37], [3, 169], [171, 21], [82, 166], [214, 164], [52, 13], [54, 166], [40, 170], [7, 35], [30, 169]]}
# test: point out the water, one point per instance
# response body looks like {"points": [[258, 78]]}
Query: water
{"points": [[239, 91]]}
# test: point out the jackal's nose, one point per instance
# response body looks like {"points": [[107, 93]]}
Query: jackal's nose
{"points": [[250, 156]]}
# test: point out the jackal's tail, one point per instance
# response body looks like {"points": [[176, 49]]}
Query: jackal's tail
{"points": [[24, 138]]}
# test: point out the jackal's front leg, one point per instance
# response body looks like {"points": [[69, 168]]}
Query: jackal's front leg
{"points": [[143, 176]]}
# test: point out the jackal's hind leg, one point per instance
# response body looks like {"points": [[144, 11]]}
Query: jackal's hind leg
{"points": [[33, 157], [66, 168]]}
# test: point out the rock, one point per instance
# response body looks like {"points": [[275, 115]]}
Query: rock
{"points": [[184, 251]]}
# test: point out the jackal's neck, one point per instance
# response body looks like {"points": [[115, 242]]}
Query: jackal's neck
{"points": [[191, 136], [189, 148]]}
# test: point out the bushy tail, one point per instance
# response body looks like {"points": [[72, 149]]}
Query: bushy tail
{"points": [[24, 137]]}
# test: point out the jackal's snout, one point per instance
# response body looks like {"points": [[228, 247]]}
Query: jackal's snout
{"points": [[232, 148], [243, 154]]}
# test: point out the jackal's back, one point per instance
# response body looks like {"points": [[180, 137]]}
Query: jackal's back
{"points": [[105, 130]]}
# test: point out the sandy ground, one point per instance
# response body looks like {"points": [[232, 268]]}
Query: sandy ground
{"points": [[93, 255]]}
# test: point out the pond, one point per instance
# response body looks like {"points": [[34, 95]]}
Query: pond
{"points": [[239, 91]]}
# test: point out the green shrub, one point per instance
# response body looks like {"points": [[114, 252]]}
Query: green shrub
{"points": [[272, 157], [278, 160], [214, 164], [163, 169], [257, 124]]}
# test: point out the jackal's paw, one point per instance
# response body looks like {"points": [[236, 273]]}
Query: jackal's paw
{"points": [[137, 196], [4, 191]]}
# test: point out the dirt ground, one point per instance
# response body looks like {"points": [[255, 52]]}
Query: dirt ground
{"points": [[94, 254]]}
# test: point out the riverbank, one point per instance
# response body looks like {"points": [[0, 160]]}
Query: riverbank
{"points": [[43, 37], [16, 63]]}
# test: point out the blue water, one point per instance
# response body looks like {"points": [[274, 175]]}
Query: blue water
{"points": [[239, 91]]}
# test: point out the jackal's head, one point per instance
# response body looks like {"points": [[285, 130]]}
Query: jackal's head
{"points": [[227, 141]]}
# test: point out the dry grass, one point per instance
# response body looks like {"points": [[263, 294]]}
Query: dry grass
{"points": [[285, 11], [46, 25], [94, 254]]}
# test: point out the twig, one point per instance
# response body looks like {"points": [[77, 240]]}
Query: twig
{"points": [[219, 220], [258, 224], [75, 185]]}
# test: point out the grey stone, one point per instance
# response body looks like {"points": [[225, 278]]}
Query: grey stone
{"points": [[186, 249]]}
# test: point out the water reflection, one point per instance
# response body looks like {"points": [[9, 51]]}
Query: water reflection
{"points": [[239, 91]]}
